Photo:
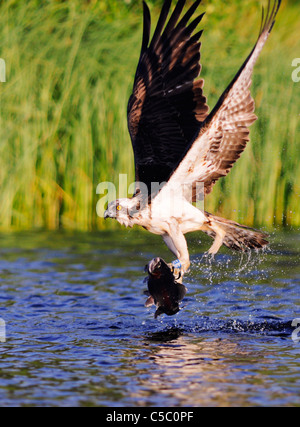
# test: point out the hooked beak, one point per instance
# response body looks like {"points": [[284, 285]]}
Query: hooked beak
{"points": [[106, 215]]}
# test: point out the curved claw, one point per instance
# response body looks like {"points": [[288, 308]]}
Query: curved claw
{"points": [[208, 256], [178, 270]]}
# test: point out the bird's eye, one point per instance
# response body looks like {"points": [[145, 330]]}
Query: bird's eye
{"points": [[119, 208]]}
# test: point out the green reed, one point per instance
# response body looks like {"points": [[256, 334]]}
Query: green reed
{"points": [[70, 69]]}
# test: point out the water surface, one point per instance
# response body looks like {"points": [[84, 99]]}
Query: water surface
{"points": [[78, 334]]}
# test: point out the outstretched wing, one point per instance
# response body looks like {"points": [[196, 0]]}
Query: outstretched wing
{"points": [[225, 132], [167, 105]]}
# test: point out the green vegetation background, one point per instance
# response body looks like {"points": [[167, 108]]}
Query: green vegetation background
{"points": [[70, 68]]}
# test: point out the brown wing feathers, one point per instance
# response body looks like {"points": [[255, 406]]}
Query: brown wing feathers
{"points": [[167, 112], [234, 112], [167, 105]]}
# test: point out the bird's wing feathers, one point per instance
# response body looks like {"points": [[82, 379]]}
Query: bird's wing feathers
{"points": [[225, 132], [167, 106]]}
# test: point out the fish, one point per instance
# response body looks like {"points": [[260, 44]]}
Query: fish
{"points": [[164, 288]]}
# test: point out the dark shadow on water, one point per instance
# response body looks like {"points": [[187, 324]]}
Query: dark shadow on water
{"points": [[168, 335], [267, 327]]}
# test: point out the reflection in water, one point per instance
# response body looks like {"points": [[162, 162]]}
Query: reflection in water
{"points": [[184, 368], [203, 372], [190, 371]]}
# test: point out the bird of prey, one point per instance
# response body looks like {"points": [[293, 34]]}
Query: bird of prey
{"points": [[177, 143]]}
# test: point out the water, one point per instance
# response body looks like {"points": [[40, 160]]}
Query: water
{"points": [[78, 334]]}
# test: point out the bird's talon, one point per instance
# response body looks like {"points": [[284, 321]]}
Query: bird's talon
{"points": [[177, 265]]}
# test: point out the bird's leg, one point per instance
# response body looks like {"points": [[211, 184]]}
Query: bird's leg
{"points": [[219, 239], [177, 244]]}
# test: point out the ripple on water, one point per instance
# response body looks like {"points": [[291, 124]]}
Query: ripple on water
{"points": [[78, 332]]}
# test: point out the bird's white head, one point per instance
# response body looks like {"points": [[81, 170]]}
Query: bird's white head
{"points": [[121, 210]]}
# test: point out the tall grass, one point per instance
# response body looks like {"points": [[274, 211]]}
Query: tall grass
{"points": [[70, 68]]}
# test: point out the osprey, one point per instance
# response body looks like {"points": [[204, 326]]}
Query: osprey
{"points": [[177, 143]]}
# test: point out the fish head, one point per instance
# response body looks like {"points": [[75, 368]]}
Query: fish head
{"points": [[158, 268]]}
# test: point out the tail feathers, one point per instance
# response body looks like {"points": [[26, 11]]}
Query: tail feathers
{"points": [[237, 237]]}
